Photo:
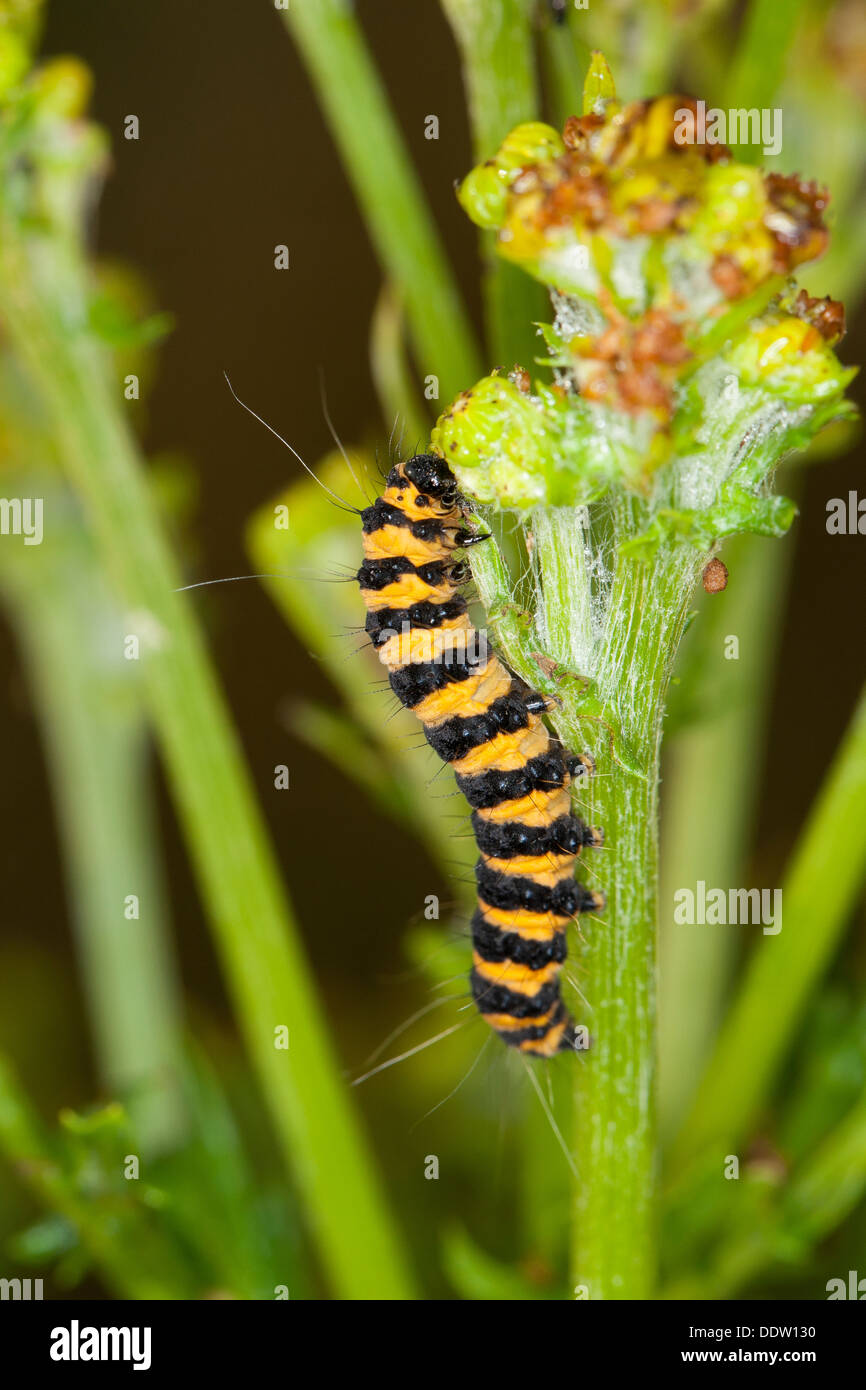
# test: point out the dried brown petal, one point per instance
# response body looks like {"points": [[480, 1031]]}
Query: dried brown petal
{"points": [[826, 315], [715, 576]]}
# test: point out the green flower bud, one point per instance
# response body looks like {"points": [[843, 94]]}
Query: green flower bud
{"points": [[483, 193], [789, 358], [521, 450], [496, 440]]}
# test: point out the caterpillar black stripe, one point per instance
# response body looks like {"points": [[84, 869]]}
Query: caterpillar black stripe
{"points": [[488, 725]]}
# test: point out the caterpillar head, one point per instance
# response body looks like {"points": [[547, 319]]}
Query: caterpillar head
{"points": [[425, 486]]}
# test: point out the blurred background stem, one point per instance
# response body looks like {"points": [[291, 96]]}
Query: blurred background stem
{"points": [[566, 58], [494, 38], [822, 1191], [265, 968], [403, 233], [761, 56], [709, 808], [401, 406], [818, 893], [97, 752]]}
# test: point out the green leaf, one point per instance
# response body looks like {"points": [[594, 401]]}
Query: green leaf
{"points": [[477, 1275], [599, 84]]}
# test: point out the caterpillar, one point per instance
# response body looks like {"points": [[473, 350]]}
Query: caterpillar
{"points": [[487, 723]]}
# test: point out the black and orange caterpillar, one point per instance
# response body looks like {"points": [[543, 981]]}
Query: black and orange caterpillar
{"points": [[488, 725]]}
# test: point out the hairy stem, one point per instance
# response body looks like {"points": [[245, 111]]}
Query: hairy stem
{"points": [[627, 650], [614, 1196]]}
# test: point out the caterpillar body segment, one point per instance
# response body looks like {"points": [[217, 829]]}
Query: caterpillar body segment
{"points": [[488, 725]]}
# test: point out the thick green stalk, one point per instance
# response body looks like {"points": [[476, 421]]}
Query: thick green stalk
{"points": [[818, 893], [264, 964], [614, 1247], [98, 751], [386, 186], [496, 50], [613, 1252]]}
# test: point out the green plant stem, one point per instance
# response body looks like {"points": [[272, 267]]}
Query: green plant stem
{"points": [[708, 808], [566, 61], [496, 51], [512, 626], [614, 1197], [544, 1176], [614, 1192], [818, 893], [495, 42], [402, 411], [264, 965], [352, 97], [98, 751], [759, 62], [659, 39], [832, 1180]]}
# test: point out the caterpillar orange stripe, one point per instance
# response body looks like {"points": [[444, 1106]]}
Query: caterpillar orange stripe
{"points": [[488, 724]]}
